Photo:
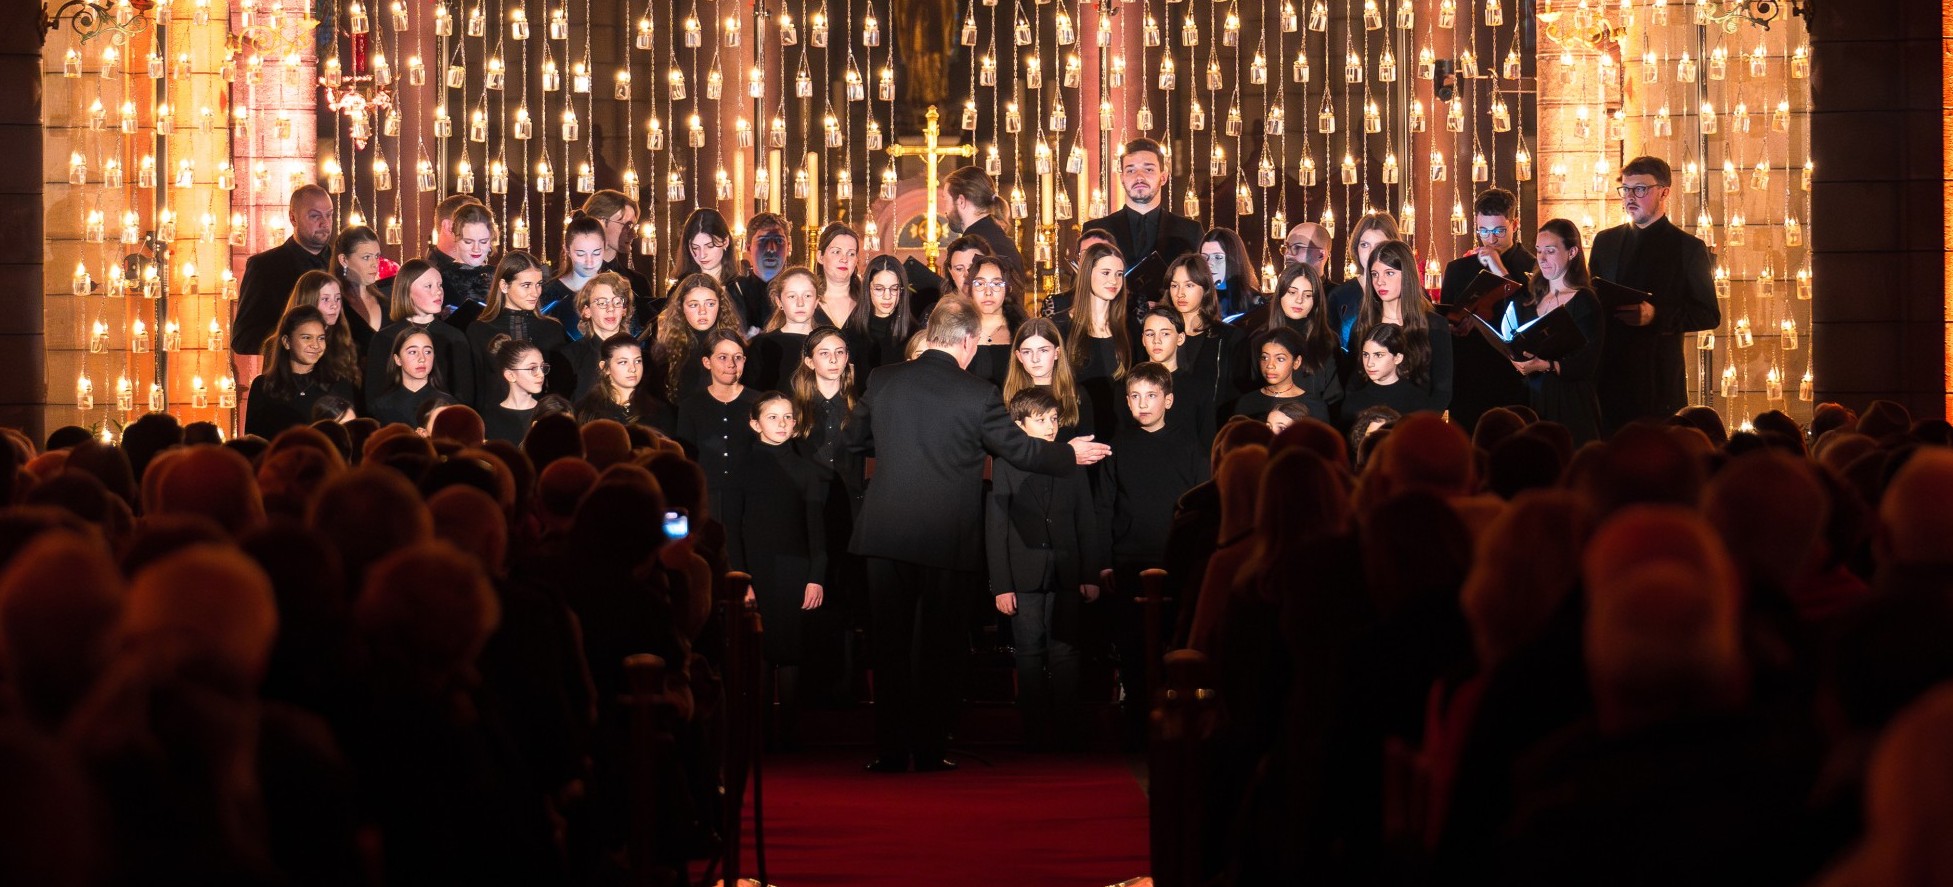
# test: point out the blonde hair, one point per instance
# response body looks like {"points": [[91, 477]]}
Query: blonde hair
{"points": [[1064, 387]]}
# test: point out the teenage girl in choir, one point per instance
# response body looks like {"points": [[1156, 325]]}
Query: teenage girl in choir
{"points": [[708, 247], [295, 375], [823, 399], [1299, 306], [1000, 310], [775, 519], [836, 258], [583, 260], [1370, 232], [1562, 390], [1236, 286], [412, 378], [775, 353], [1039, 360], [1278, 352], [1098, 336], [417, 304], [356, 257], [1211, 356], [523, 370], [1394, 374], [712, 422], [1164, 339], [322, 291], [603, 309], [617, 213], [513, 297], [1281, 417], [699, 311], [620, 394], [883, 321], [1393, 292]]}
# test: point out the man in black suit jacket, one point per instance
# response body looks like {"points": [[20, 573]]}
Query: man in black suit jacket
{"points": [[1482, 377], [1144, 227], [1641, 360], [268, 280], [929, 423]]}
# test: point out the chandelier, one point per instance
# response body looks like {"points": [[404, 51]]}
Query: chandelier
{"points": [[89, 19]]}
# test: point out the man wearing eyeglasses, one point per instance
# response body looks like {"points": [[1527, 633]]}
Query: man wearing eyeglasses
{"points": [[1307, 244], [1482, 378], [768, 246], [1641, 361]]}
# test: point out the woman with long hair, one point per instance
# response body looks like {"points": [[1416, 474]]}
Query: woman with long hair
{"points": [[1212, 353], [583, 260], [1236, 285], [620, 394], [1370, 232], [356, 260], [1394, 374], [1300, 306], [324, 292], [412, 378], [417, 303], [706, 245], [884, 320], [836, 258], [295, 376], [514, 295], [1562, 390], [992, 287], [603, 310], [774, 355], [524, 370], [682, 328], [1098, 334], [823, 400], [1039, 360], [1393, 292]]}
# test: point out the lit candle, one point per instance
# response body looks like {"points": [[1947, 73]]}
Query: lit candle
{"points": [[83, 283], [199, 397], [84, 393], [172, 336], [157, 402], [226, 393], [190, 278], [215, 340], [139, 337], [98, 338], [125, 398]]}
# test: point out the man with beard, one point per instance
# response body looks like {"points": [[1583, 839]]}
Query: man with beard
{"points": [[1144, 227], [976, 209]]}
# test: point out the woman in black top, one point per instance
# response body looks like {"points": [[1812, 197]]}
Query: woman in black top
{"points": [[417, 303], [883, 322], [295, 375], [1563, 390], [1392, 371], [840, 288], [603, 309], [699, 310], [1211, 355], [1000, 309], [775, 354], [1236, 287], [823, 397], [1393, 292], [1098, 336], [523, 372], [1038, 360], [712, 422], [1299, 305], [513, 297], [356, 258], [619, 394], [708, 247], [412, 377]]}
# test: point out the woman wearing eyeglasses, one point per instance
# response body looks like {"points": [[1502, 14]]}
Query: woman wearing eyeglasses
{"points": [[883, 321], [603, 307], [1000, 310], [523, 372]]}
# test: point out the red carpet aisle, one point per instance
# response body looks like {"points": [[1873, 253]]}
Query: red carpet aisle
{"points": [[1029, 821]]}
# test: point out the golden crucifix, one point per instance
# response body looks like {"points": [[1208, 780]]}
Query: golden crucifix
{"points": [[931, 152]]}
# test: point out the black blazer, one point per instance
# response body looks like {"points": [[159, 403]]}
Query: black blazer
{"points": [[1482, 378], [929, 424], [1642, 367], [1000, 242], [1042, 532], [1178, 235], [265, 288]]}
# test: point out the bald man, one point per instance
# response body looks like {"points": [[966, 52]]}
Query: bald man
{"points": [[1308, 243]]}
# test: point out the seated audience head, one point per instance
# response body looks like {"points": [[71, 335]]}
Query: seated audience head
{"points": [[60, 601], [214, 482], [1771, 512], [472, 522], [605, 443], [368, 513], [1884, 419], [1643, 463], [1526, 568], [1426, 453], [1239, 432], [423, 615], [1316, 436], [1497, 424], [1908, 801], [459, 423], [1915, 521], [210, 604]]}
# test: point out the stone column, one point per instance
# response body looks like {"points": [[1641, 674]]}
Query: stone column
{"points": [[23, 368]]}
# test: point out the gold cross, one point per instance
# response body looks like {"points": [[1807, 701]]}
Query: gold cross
{"points": [[931, 152]]}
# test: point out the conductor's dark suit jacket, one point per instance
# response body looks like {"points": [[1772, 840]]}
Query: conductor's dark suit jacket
{"points": [[928, 424], [1642, 369]]}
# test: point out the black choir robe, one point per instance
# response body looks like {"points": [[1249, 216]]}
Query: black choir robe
{"points": [[1643, 368]]}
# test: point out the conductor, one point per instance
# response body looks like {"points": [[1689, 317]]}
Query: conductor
{"points": [[929, 423]]}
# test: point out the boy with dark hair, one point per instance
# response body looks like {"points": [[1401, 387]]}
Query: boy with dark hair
{"points": [[1045, 559]]}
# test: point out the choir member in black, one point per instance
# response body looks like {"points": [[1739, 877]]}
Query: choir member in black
{"points": [[1641, 364], [1393, 292], [583, 260], [712, 422], [1236, 285], [467, 282], [1157, 461], [823, 401], [511, 311], [775, 522], [296, 375], [708, 250], [1058, 305], [524, 371], [1278, 353], [321, 290], [1281, 417], [1213, 353], [682, 328], [1481, 372], [837, 257], [976, 209], [603, 309], [1371, 231], [1393, 371], [356, 259], [1098, 336], [1299, 306], [1043, 540], [1000, 309], [883, 321], [775, 354], [1162, 336], [412, 378], [416, 303], [1038, 360], [957, 258], [769, 245], [1563, 390], [620, 394], [823, 396], [1144, 227], [269, 276], [618, 214]]}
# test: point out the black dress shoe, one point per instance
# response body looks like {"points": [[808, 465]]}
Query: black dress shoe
{"points": [[934, 765], [887, 765]]}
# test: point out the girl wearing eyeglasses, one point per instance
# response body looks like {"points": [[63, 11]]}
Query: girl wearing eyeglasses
{"points": [[883, 321], [514, 296], [1000, 310], [523, 371], [603, 308]]}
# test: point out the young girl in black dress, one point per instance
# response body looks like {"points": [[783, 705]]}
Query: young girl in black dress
{"points": [[712, 421], [523, 372], [620, 394], [295, 375], [513, 297], [418, 304], [412, 377], [1278, 355], [775, 353], [1394, 293], [1300, 305], [1098, 334], [1393, 374]]}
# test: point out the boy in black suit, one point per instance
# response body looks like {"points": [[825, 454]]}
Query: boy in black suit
{"points": [[1044, 562]]}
